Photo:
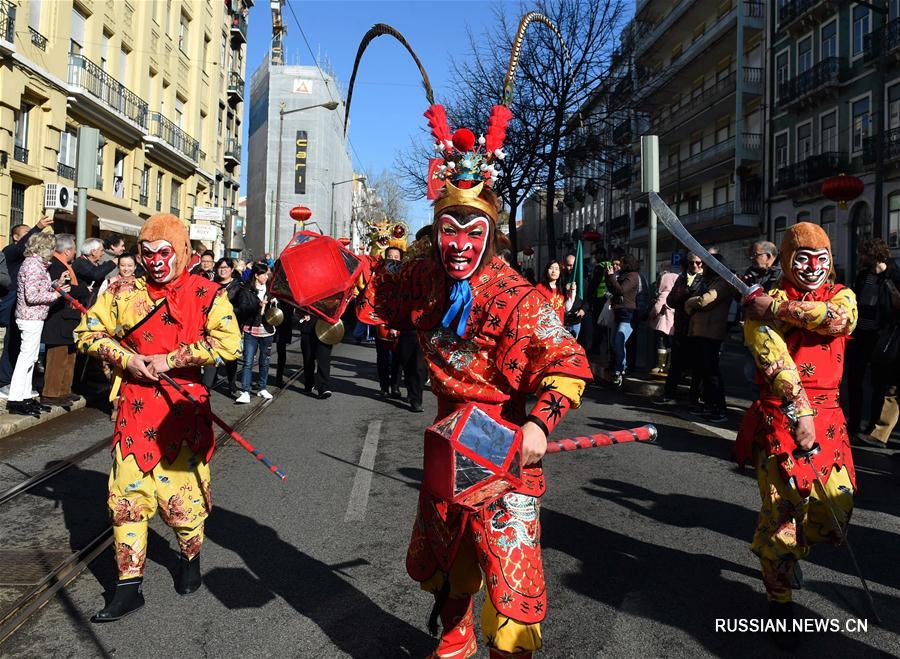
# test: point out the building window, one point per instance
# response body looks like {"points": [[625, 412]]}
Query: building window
{"points": [[696, 144], [99, 167], [781, 70], [179, 113], [22, 118], [804, 141], [893, 99], [780, 228], [175, 198], [723, 130], [119, 174], [720, 193], [781, 151], [894, 221], [829, 40], [828, 129], [827, 220], [159, 186], [104, 50], [17, 204], [803, 216], [68, 147], [183, 33], [673, 157], [861, 22], [804, 54], [34, 15], [860, 126], [145, 185], [123, 66], [76, 40]]}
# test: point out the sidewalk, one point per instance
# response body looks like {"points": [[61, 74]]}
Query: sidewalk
{"points": [[10, 424]]}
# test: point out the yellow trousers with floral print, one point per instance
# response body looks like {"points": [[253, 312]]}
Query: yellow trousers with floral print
{"points": [[790, 523], [500, 632], [179, 490]]}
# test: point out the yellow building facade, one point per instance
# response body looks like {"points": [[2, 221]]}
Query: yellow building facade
{"points": [[162, 80]]}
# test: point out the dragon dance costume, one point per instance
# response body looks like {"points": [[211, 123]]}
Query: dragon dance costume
{"points": [[799, 355], [162, 444], [491, 339]]}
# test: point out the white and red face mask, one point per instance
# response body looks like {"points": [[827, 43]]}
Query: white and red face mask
{"points": [[810, 267], [462, 246], [158, 258]]}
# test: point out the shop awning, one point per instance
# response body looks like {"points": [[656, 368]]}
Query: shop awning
{"points": [[113, 218]]}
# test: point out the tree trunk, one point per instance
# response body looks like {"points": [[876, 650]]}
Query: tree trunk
{"points": [[513, 231], [551, 198]]}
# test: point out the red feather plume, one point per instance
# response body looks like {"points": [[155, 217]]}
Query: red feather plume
{"points": [[496, 132], [437, 120]]}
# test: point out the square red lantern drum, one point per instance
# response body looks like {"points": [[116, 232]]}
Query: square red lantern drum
{"points": [[472, 458], [316, 272]]}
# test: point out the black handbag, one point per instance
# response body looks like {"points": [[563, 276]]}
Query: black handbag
{"points": [[887, 347]]}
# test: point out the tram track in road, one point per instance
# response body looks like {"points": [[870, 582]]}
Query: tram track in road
{"points": [[67, 570]]}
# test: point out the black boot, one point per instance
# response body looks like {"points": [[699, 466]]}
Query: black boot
{"points": [[23, 408], [783, 636], [189, 577], [395, 392], [128, 599]]}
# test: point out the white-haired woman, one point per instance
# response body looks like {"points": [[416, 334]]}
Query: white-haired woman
{"points": [[34, 296]]}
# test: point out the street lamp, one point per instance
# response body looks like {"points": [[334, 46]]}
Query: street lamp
{"points": [[334, 184], [330, 105]]}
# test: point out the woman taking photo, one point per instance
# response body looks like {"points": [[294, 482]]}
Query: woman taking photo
{"points": [[258, 334], [623, 282], [550, 287], [34, 296]]}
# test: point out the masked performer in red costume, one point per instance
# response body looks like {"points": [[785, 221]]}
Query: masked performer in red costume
{"points": [[173, 322], [490, 338], [797, 335]]}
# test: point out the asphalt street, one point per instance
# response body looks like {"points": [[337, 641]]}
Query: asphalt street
{"points": [[646, 546]]}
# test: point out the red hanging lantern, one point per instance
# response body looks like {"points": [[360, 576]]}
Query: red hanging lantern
{"points": [[591, 236], [842, 188], [528, 251], [300, 213], [343, 240]]}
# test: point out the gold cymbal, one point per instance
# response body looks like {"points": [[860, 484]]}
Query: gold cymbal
{"points": [[330, 334]]}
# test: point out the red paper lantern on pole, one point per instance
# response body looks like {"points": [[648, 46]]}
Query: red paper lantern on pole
{"points": [[842, 188], [528, 251], [591, 236], [300, 213]]}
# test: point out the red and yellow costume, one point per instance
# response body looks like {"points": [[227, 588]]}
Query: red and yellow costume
{"points": [[799, 355], [162, 444]]}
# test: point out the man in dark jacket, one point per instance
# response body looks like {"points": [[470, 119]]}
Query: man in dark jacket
{"points": [[59, 328], [14, 253], [88, 268], [877, 271], [763, 269]]}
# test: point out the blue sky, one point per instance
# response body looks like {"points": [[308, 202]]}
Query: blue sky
{"points": [[388, 100]]}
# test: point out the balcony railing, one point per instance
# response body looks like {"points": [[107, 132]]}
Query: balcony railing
{"points": [[83, 73], [66, 171], [882, 40], [7, 21], [20, 153], [143, 199], [652, 34], [38, 39], [753, 75], [239, 27], [890, 146], [235, 84], [173, 136], [826, 73], [752, 142], [794, 9], [232, 149], [721, 151], [622, 132], [753, 9], [811, 169], [175, 211], [703, 99], [709, 214]]}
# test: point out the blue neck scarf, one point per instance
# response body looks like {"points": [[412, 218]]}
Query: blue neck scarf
{"points": [[460, 305]]}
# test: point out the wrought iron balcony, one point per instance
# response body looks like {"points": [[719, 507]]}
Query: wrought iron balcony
{"points": [[232, 151], [621, 134], [620, 223], [704, 99], [173, 136], [792, 10], [7, 21], [235, 86], [86, 75], [827, 73], [882, 41], [889, 143], [20, 153], [38, 39], [717, 153], [752, 143], [66, 171], [811, 169], [708, 215], [238, 28]]}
